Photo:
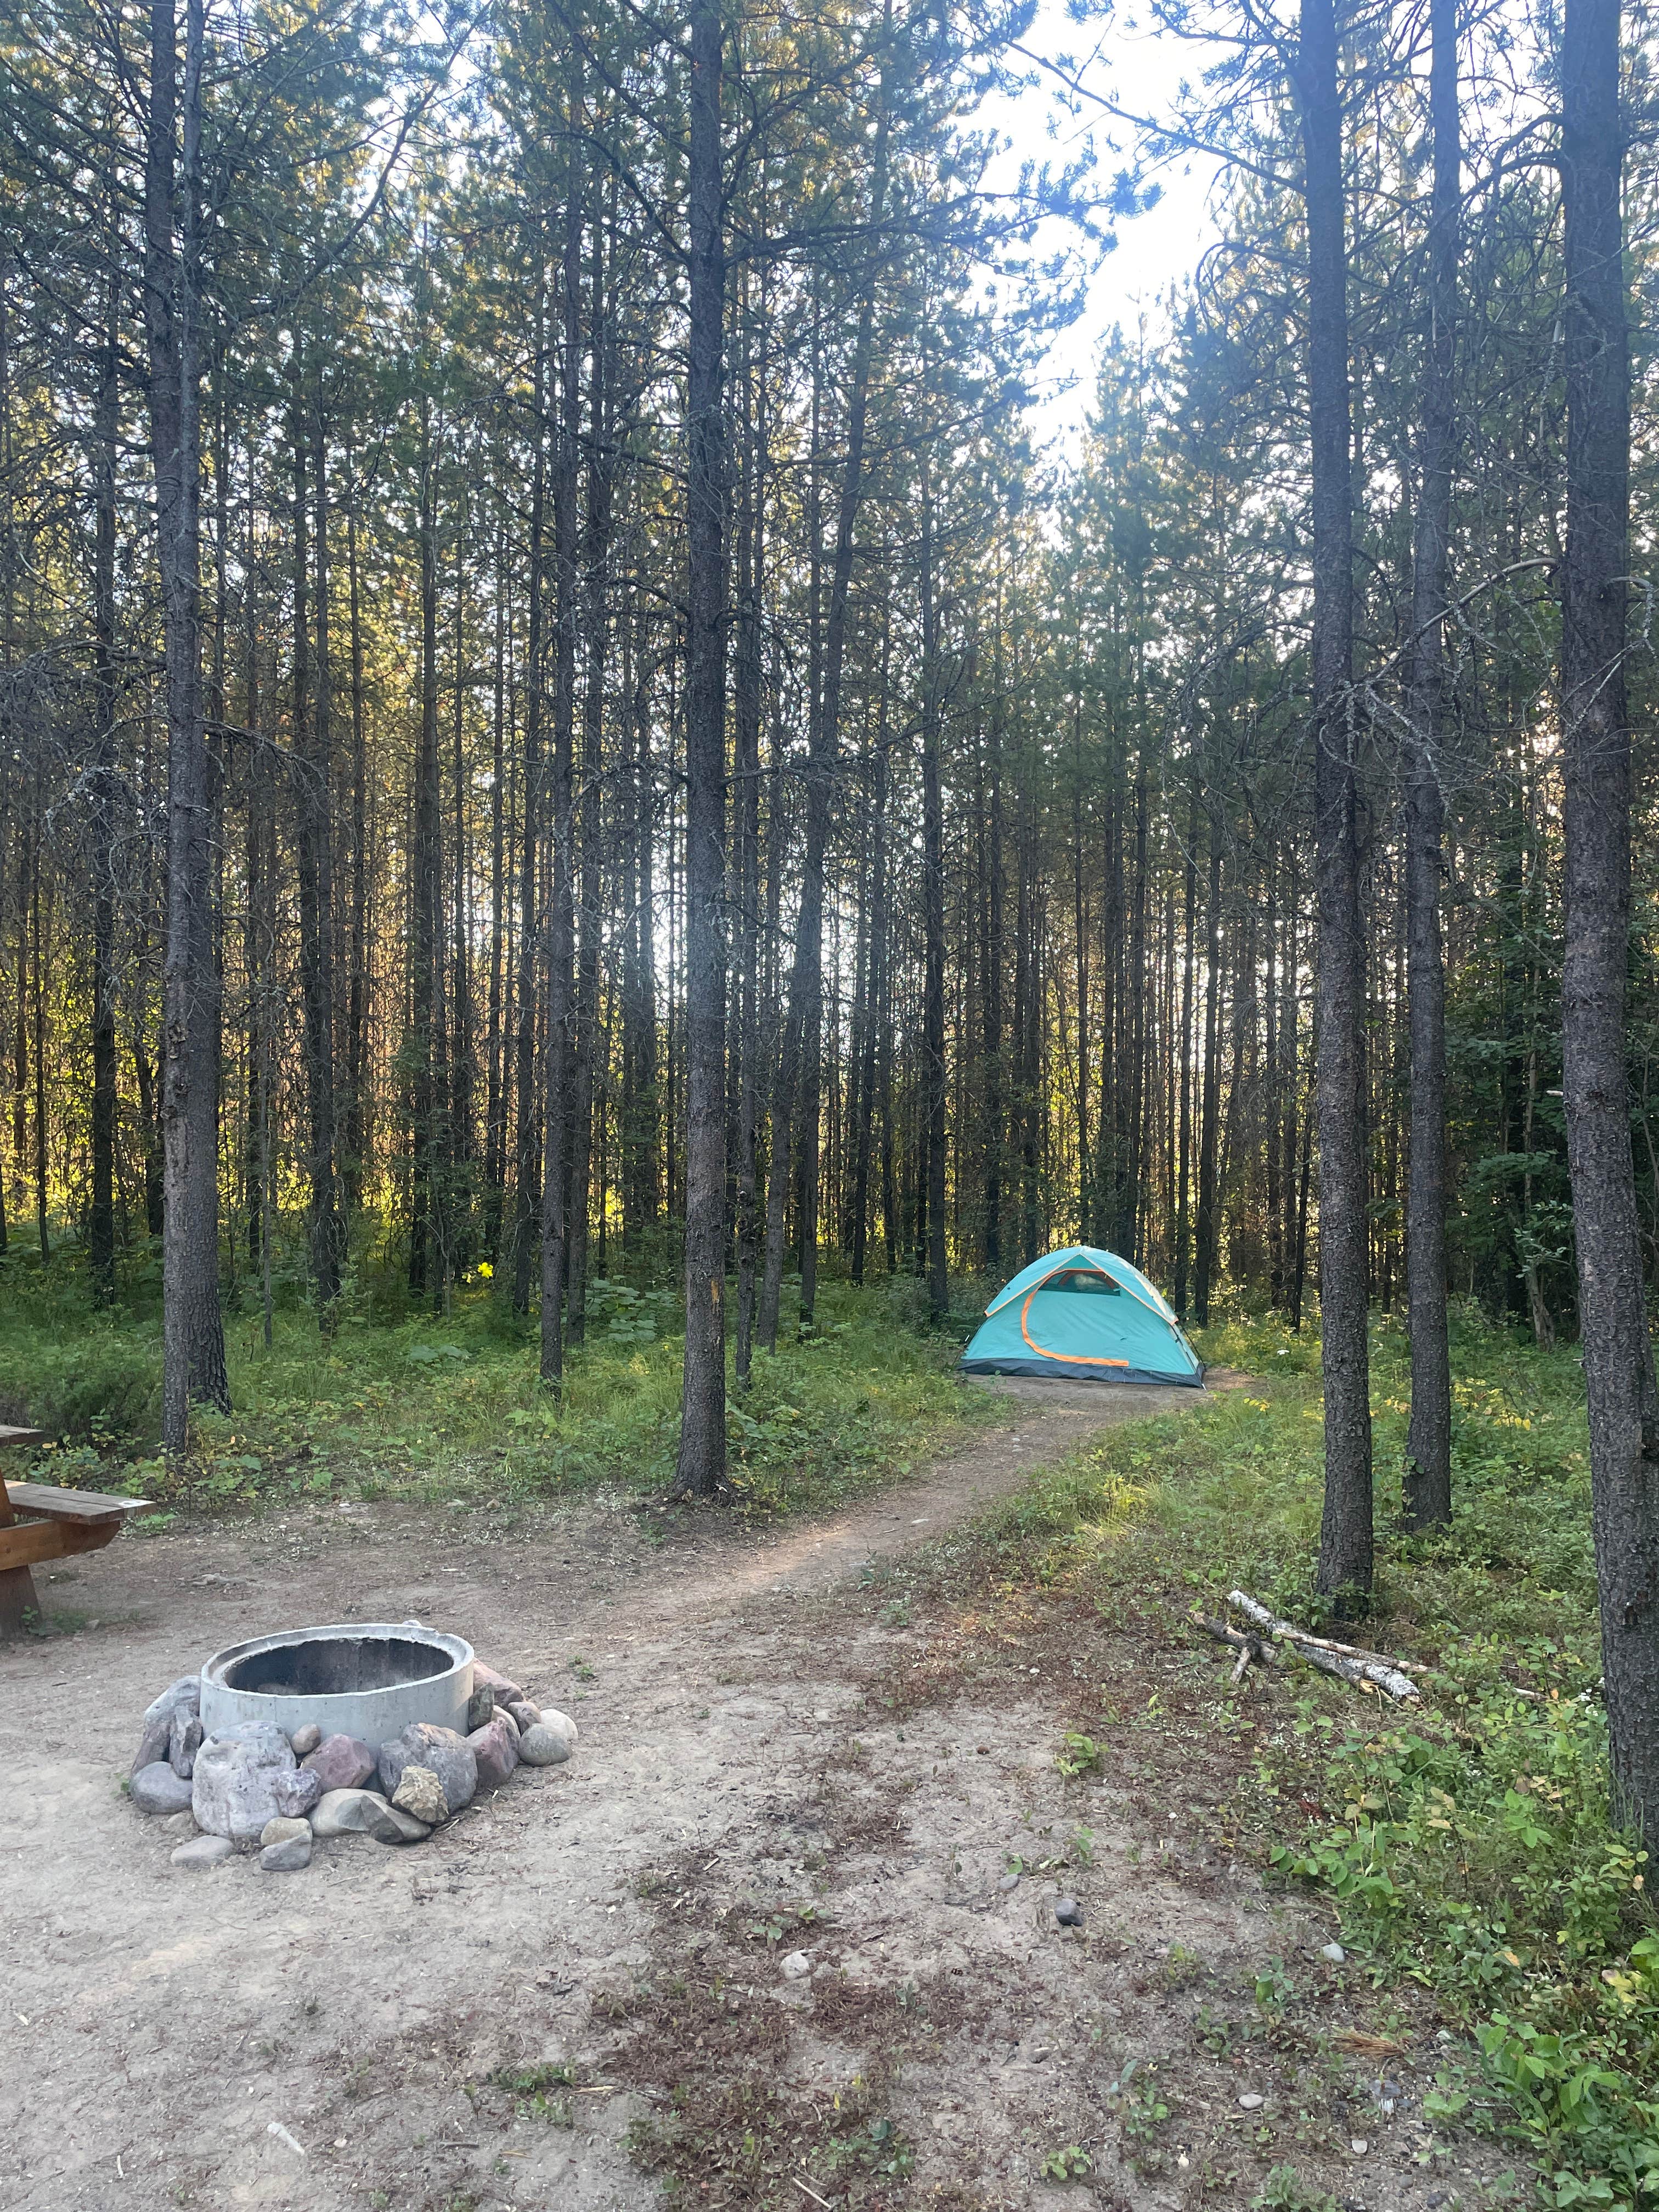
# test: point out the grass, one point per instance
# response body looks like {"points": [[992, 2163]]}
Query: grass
{"points": [[1468, 1847], [435, 1410]]}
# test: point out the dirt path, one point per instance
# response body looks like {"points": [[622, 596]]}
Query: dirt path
{"points": [[328, 2039]]}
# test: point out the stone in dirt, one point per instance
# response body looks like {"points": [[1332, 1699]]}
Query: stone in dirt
{"points": [[291, 1856], [157, 1789], [184, 1741], [796, 1965], [394, 1826], [507, 1692], [182, 1825], [342, 1762], [202, 1852], [419, 1793], [247, 1776], [304, 1740], [187, 1694], [547, 1742], [1068, 1912], [280, 1831], [347, 1813], [525, 1713], [510, 1725], [481, 1709], [495, 1751], [447, 1755]]}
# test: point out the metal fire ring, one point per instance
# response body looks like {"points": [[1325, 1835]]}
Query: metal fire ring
{"points": [[367, 1679]]}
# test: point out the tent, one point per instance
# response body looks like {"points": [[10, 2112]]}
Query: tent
{"points": [[1083, 1314]]}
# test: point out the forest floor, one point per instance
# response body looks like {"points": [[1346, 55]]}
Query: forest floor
{"points": [[815, 1740]]}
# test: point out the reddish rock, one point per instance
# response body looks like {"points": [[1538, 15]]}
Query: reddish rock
{"points": [[497, 1754], [506, 1692], [341, 1762]]}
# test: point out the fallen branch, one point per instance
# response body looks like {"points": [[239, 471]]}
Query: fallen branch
{"points": [[1248, 1647], [1346, 1661]]}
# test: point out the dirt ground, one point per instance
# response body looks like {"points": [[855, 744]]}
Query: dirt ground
{"points": [[577, 1991]]}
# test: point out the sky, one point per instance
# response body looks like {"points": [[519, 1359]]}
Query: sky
{"points": [[1154, 250]]}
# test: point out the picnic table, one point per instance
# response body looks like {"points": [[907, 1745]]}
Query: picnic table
{"points": [[38, 1520]]}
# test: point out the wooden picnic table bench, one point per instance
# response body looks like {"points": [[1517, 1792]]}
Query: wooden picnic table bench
{"points": [[55, 1524]]}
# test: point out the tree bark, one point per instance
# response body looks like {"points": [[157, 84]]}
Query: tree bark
{"points": [[702, 1466], [314, 849], [561, 952], [526, 1152], [426, 1239], [100, 1225], [1346, 1536], [1428, 1443], [1619, 1369], [193, 1344], [933, 901]]}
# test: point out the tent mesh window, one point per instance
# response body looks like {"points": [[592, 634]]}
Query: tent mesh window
{"points": [[1083, 1278]]}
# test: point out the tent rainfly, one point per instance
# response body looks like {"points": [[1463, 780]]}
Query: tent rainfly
{"points": [[1083, 1314]]}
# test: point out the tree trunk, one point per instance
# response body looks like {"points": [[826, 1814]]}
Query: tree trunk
{"points": [[1619, 1371], [426, 1238], [701, 1466], [193, 1343], [751, 551], [526, 1154], [1428, 1444], [556, 1135], [933, 901], [1344, 1542], [314, 848], [100, 1225], [1210, 1094]]}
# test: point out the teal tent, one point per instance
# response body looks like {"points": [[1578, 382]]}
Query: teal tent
{"points": [[1081, 1315]]}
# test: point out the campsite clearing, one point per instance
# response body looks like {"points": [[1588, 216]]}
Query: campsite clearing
{"points": [[787, 1748]]}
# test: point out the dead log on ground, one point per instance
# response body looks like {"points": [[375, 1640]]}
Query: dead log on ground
{"points": [[1247, 1646], [1346, 1661]]}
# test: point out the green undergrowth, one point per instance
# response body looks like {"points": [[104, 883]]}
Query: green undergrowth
{"points": [[438, 1409], [1468, 1846]]}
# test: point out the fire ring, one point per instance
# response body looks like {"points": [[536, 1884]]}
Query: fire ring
{"points": [[365, 1679]]}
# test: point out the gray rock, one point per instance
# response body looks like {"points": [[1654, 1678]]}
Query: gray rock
{"points": [[280, 1831], [182, 1825], [1010, 1880], [525, 1713], [394, 1826], [481, 1709], [1333, 1952], [342, 1762], [1251, 2103], [545, 1743], [247, 1776], [507, 1691], [202, 1852], [347, 1813], [157, 1789], [495, 1751], [447, 1755], [184, 1741], [292, 1856], [186, 1693], [1068, 1912], [304, 1740], [420, 1794], [796, 1966]]}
